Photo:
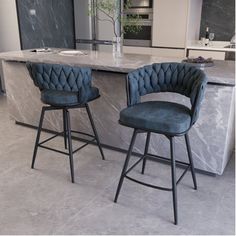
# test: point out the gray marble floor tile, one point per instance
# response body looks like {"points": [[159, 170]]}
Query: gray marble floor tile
{"points": [[44, 201]]}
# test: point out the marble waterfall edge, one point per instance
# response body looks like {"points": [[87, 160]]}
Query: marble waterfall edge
{"points": [[211, 138]]}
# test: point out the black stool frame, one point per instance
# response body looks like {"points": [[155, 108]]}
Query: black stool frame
{"points": [[67, 135], [190, 165], [172, 77]]}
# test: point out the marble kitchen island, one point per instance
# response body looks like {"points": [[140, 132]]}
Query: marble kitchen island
{"points": [[212, 137]]}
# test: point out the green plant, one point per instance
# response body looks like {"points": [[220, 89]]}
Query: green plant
{"points": [[109, 9]]}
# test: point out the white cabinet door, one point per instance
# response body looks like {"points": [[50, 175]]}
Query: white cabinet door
{"points": [[170, 23], [207, 54]]}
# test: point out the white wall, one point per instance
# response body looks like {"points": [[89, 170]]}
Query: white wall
{"points": [[194, 20], [9, 30]]}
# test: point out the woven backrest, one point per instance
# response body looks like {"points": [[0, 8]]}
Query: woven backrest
{"points": [[168, 77], [59, 77]]}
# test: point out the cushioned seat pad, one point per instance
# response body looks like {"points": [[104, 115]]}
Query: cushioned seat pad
{"points": [[157, 116], [66, 98]]}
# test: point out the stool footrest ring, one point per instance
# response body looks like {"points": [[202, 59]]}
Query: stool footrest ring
{"points": [[79, 132], [52, 149], [72, 131], [135, 164], [183, 174], [59, 151], [154, 186], [52, 137], [84, 145], [166, 159], [148, 185]]}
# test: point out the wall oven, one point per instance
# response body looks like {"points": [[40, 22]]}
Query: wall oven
{"points": [[143, 37], [139, 3]]}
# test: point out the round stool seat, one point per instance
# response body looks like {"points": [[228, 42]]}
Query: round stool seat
{"points": [[67, 98], [157, 116]]}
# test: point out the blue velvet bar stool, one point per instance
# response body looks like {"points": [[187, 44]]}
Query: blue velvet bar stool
{"points": [[162, 117], [63, 88]]}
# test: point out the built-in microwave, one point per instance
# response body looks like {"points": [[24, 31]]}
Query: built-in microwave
{"points": [[139, 3], [143, 37]]}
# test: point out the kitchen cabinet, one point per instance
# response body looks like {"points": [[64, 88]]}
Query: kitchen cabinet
{"points": [[175, 22], [216, 49], [207, 54]]}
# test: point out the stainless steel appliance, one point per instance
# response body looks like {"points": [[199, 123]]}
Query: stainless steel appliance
{"points": [[88, 29], [143, 37], [140, 3]]}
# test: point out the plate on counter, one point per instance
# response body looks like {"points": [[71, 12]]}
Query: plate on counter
{"points": [[72, 53]]}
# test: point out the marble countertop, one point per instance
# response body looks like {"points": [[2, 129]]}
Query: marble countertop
{"points": [[222, 72], [214, 46]]}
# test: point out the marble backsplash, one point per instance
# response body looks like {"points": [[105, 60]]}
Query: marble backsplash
{"points": [[219, 15], [46, 23]]}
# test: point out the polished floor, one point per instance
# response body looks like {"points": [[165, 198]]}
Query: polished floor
{"points": [[44, 201]]}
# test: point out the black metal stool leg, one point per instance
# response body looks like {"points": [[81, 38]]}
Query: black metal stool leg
{"points": [[191, 160], [94, 130], [173, 177], [125, 165], [65, 128], [70, 145], [38, 136], [146, 151]]}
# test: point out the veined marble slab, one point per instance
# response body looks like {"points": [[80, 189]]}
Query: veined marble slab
{"points": [[56, 15], [212, 137], [223, 71]]}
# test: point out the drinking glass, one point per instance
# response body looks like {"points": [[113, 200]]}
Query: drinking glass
{"points": [[211, 37]]}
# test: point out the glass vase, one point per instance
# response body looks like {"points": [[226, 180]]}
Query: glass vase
{"points": [[117, 47]]}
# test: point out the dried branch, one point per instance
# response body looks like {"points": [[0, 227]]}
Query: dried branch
{"points": [[108, 8]]}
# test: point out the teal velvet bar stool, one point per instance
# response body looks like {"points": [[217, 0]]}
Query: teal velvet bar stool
{"points": [[162, 117], [63, 88]]}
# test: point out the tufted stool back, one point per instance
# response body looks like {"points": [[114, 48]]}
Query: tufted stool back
{"points": [[60, 77], [168, 77]]}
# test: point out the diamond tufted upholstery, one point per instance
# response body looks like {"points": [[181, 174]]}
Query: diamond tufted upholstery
{"points": [[63, 85], [164, 77]]}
